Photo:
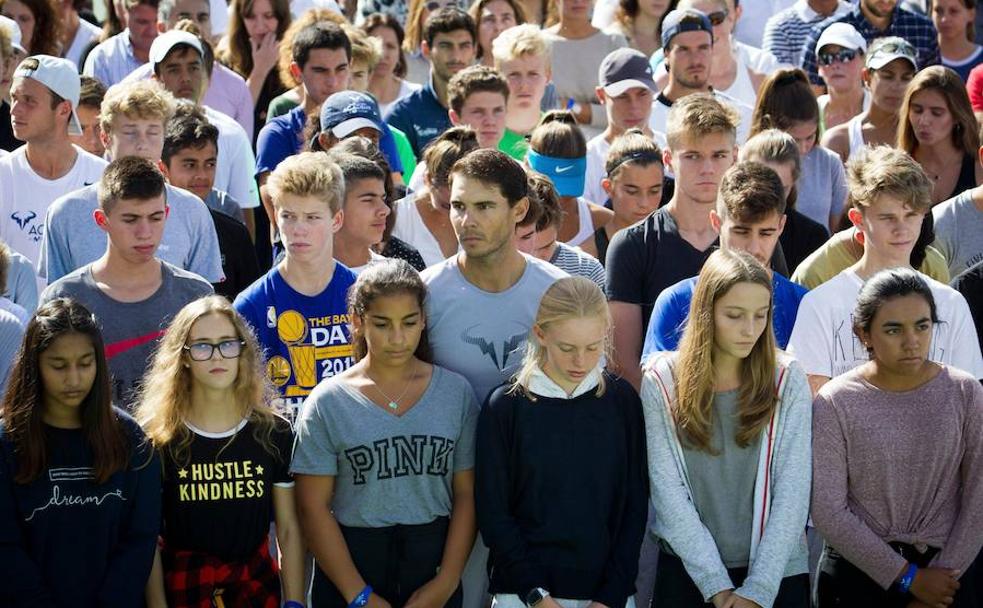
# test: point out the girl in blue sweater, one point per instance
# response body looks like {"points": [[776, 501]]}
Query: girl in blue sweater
{"points": [[79, 485]]}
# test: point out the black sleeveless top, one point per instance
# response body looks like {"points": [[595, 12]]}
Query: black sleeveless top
{"points": [[601, 241], [967, 176]]}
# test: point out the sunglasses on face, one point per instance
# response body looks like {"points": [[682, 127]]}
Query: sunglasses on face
{"points": [[203, 351], [844, 56], [718, 17]]}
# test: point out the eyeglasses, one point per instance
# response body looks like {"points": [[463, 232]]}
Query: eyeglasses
{"points": [[844, 56], [203, 351], [718, 17]]}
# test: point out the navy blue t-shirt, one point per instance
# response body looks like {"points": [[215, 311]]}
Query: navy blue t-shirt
{"points": [[420, 116], [305, 338], [672, 309]]}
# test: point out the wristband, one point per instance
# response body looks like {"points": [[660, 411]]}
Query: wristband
{"points": [[292, 604], [362, 598], [908, 578]]}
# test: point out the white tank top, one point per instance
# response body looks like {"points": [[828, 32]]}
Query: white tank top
{"points": [[855, 132], [409, 227], [742, 89], [586, 228]]}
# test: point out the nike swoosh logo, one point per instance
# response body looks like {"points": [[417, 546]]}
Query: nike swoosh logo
{"points": [[117, 348], [564, 169], [87, 184]]}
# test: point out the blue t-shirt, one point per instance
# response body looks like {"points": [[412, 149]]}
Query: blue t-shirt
{"points": [[305, 338], [283, 136], [420, 116], [672, 309]]}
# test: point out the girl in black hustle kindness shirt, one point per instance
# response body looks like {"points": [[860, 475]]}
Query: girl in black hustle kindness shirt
{"points": [[561, 486], [79, 487], [226, 457]]}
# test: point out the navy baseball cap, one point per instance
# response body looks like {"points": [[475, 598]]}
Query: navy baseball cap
{"points": [[348, 111], [684, 20]]}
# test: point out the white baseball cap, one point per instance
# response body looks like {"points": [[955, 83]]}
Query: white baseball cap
{"points": [[163, 44], [15, 34], [60, 76], [842, 34]]}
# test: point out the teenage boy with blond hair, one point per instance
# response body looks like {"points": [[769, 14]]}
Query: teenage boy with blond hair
{"points": [[889, 195], [523, 56], [299, 309]]}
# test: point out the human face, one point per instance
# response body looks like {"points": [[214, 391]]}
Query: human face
{"points": [[198, 11], [573, 349], [261, 21], [688, 59], [653, 8], [182, 73], [135, 227], [700, 163], [31, 114], [325, 73], [7, 65], [143, 137], [527, 76], [482, 218], [900, 334], [21, 13], [636, 192], [365, 211], [739, 318], [142, 22], [951, 18], [575, 10], [541, 244], [842, 75], [359, 77], [496, 17], [89, 140], [888, 84], [217, 372], [68, 371], [805, 135], [721, 16], [451, 52], [890, 228], [785, 173], [879, 8], [393, 326], [757, 238], [390, 50], [930, 117], [484, 112], [307, 227], [193, 169], [630, 109]]}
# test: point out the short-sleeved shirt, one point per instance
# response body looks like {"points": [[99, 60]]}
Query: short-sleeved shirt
{"points": [[25, 197], [22, 282], [420, 116], [239, 263], [824, 342], [514, 145], [112, 60], [671, 312], [280, 138], [305, 338], [389, 469], [970, 284], [11, 332], [959, 232], [479, 334], [577, 263], [85, 35], [787, 30], [821, 189], [234, 170], [130, 330], [73, 239], [218, 498]]}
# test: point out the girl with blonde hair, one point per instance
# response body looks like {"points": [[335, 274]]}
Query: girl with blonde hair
{"points": [[226, 453], [728, 424], [384, 459], [533, 458]]}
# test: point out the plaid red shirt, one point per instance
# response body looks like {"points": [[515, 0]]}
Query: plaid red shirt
{"points": [[197, 580]]}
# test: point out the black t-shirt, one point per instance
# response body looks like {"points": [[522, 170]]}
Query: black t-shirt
{"points": [[238, 255], [650, 256], [7, 140], [800, 238], [970, 284], [220, 501]]}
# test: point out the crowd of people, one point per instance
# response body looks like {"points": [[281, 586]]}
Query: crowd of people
{"points": [[529, 304]]}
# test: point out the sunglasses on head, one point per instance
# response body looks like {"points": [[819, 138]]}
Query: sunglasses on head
{"points": [[899, 48], [718, 17], [843, 56]]}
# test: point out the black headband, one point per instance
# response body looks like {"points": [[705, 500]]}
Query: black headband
{"points": [[646, 156]]}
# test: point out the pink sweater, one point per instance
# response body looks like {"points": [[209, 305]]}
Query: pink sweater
{"points": [[900, 467]]}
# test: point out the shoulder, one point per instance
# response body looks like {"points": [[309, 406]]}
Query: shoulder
{"points": [[943, 294], [71, 285], [134, 433], [543, 272], [185, 279], [85, 200], [783, 285], [183, 199], [824, 156], [441, 272], [909, 16], [257, 292], [448, 380]]}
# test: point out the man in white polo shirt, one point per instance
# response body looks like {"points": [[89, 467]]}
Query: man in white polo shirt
{"points": [[45, 93]]}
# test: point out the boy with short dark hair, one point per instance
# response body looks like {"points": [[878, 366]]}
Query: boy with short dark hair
{"points": [[90, 98], [365, 211]]}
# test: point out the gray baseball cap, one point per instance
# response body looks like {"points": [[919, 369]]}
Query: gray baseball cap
{"points": [[624, 69]]}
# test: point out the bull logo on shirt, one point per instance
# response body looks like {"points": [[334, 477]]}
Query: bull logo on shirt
{"points": [[23, 217], [487, 347]]}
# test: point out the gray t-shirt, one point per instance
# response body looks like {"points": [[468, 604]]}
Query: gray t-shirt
{"points": [[130, 330], [22, 282], [72, 239], [389, 469], [821, 189], [722, 483], [479, 334], [959, 232]]}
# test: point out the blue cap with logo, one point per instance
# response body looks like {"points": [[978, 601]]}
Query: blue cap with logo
{"points": [[348, 111], [684, 20], [567, 174]]}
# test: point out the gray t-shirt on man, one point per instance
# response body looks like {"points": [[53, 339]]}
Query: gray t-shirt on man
{"points": [[389, 469], [959, 232], [130, 330]]}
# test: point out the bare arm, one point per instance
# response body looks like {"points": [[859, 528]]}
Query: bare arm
{"points": [[816, 383], [155, 594], [290, 542], [264, 197], [627, 341], [837, 139], [250, 221]]}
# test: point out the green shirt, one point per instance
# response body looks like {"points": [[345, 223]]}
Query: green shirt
{"points": [[281, 104], [514, 145], [405, 151]]}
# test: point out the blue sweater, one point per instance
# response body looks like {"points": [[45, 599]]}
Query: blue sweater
{"points": [[65, 541]]}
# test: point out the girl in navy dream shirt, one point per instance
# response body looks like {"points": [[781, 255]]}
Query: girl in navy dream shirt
{"points": [[384, 458], [563, 524], [225, 454], [79, 485]]}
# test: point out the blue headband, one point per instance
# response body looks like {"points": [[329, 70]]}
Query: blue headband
{"points": [[567, 174]]}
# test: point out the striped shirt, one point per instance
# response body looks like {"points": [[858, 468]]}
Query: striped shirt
{"points": [[576, 263], [11, 332], [916, 29], [787, 30]]}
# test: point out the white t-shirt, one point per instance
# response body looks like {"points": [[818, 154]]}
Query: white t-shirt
{"points": [[236, 168], [84, 37], [660, 112], [597, 152], [25, 197], [824, 342], [409, 227]]}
